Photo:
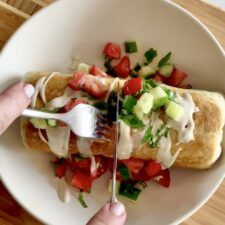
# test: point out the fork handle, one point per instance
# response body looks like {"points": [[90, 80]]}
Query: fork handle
{"points": [[41, 115]]}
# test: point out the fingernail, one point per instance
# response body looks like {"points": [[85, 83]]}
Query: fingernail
{"points": [[29, 90], [117, 208]]}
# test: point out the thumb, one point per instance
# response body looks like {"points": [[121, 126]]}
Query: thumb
{"points": [[110, 214], [12, 102]]}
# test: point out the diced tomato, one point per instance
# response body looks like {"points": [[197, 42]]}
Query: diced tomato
{"points": [[158, 78], [72, 103], [82, 181], [176, 78], [152, 168], [60, 169], [163, 178], [123, 68], [89, 84], [132, 86], [96, 71], [133, 164], [80, 165], [101, 165], [112, 50], [83, 164], [75, 82]]}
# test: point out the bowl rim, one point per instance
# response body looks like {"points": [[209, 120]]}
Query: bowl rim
{"points": [[176, 7]]}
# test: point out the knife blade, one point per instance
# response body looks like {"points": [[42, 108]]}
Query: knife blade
{"points": [[115, 155]]}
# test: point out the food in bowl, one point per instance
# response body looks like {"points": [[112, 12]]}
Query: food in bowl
{"points": [[163, 123]]}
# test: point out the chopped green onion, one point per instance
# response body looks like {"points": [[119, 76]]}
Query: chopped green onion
{"points": [[150, 55], [130, 47], [101, 105], [81, 200], [171, 95], [128, 103], [132, 121], [164, 60], [124, 172], [149, 84], [128, 190], [153, 138], [148, 135]]}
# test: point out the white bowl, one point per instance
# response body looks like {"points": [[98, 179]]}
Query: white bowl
{"points": [[80, 28]]}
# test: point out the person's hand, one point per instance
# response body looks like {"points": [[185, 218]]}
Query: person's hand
{"points": [[12, 102], [110, 214]]}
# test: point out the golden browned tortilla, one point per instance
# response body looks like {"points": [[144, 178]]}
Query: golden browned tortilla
{"points": [[200, 153]]}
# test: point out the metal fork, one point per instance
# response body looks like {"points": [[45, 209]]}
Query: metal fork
{"points": [[84, 120]]}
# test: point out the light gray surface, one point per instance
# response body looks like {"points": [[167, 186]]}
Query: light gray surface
{"points": [[219, 3]]}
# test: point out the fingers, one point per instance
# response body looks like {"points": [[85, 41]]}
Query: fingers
{"points": [[12, 102], [110, 214]]}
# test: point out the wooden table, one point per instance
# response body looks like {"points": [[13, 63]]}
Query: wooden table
{"points": [[213, 212]]}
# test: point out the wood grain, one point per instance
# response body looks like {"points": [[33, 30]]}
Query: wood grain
{"points": [[213, 212]]}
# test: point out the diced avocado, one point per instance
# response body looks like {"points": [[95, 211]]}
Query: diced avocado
{"points": [[145, 102], [39, 123], [137, 111], [160, 96], [83, 67], [51, 122], [146, 71], [117, 186], [166, 70], [174, 111]]}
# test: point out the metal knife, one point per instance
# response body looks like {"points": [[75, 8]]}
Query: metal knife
{"points": [[113, 188]]}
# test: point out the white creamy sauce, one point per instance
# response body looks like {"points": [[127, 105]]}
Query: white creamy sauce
{"points": [[58, 140], [125, 145], [137, 137], [61, 101], [111, 87], [84, 147], [164, 155], [42, 137], [63, 190], [155, 121], [38, 86], [68, 94], [101, 79], [42, 91], [94, 166], [185, 126]]}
